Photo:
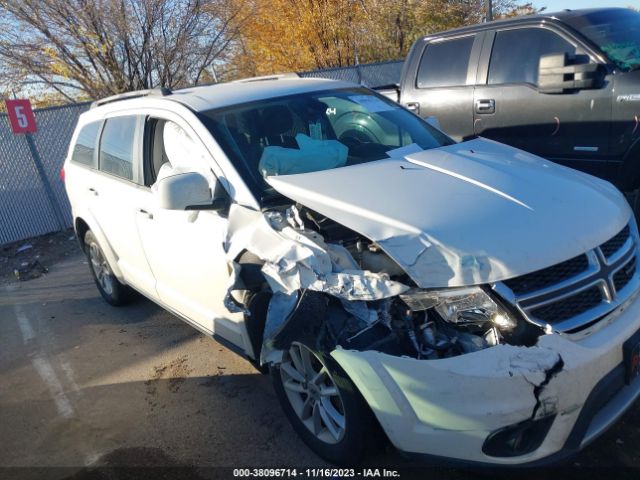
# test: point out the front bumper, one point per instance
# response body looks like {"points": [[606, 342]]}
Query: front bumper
{"points": [[447, 408]]}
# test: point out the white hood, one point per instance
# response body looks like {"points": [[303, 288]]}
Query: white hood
{"points": [[469, 213]]}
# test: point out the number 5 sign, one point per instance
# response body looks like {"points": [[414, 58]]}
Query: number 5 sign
{"points": [[21, 116]]}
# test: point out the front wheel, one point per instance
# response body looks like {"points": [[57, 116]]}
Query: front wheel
{"points": [[323, 405], [111, 289]]}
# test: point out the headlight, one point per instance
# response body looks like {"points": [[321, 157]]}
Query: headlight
{"points": [[462, 306]]}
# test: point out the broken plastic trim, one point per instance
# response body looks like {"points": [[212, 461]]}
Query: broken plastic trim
{"points": [[297, 259], [525, 437]]}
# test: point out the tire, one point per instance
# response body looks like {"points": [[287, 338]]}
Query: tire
{"points": [[328, 413], [114, 292]]}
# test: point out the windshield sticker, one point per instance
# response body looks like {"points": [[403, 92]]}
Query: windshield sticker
{"points": [[315, 131], [371, 103]]}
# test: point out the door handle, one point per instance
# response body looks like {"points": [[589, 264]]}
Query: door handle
{"points": [[93, 191], [487, 105], [146, 214], [413, 107]]}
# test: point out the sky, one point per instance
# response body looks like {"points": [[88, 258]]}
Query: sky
{"points": [[555, 5]]}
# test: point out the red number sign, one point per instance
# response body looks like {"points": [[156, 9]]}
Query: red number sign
{"points": [[21, 116]]}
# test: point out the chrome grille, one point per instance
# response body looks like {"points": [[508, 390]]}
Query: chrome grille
{"points": [[610, 247], [548, 276], [570, 306], [623, 276], [576, 293]]}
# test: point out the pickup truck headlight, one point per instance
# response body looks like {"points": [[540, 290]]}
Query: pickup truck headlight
{"points": [[461, 306]]}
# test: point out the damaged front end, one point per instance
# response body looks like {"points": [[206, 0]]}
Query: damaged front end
{"points": [[456, 367], [331, 287]]}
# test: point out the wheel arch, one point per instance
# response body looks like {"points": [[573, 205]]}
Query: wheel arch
{"points": [[82, 224]]}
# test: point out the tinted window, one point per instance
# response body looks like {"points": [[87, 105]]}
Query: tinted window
{"points": [[516, 54], [616, 32], [445, 64], [86, 144], [116, 146]]}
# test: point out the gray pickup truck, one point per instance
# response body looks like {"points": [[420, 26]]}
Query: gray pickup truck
{"points": [[565, 86]]}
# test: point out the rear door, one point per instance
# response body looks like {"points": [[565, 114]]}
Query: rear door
{"points": [[570, 128], [116, 192], [440, 82]]}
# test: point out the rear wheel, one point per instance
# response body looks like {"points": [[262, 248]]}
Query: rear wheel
{"points": [[323, 405], [111, 289]]}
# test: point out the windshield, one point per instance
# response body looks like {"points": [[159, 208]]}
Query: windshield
{"points": [[315, 131], [616, 32]]}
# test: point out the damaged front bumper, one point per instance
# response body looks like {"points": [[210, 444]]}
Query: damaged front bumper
{"points": [[565, 390]]}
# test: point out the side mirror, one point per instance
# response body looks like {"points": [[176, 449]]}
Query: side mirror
{"points": [[558, 73], [188, 191]]}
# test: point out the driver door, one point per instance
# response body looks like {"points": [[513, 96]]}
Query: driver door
{"points": [[570, 128], [185, 247]]}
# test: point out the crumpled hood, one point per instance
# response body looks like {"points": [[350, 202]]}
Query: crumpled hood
{"points": [[468, 213]]}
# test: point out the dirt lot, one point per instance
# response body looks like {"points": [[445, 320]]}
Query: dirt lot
{"points": [[84, 386]]}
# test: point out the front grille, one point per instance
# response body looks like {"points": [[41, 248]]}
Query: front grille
{"points": [[610, 247], [569, 307], [546, 277], [576, 293], [623, 276]]}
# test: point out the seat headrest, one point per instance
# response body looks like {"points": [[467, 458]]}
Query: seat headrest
{"points": [[276, 120]]}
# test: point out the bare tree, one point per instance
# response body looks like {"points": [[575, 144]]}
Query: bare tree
{"points": [[94, 48]]}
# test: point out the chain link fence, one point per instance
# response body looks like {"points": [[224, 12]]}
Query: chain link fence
{"points": [[369, 75], [32, 197]]}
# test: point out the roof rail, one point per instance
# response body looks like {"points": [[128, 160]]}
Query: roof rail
{"points": [[156, 92], [277, 76]]}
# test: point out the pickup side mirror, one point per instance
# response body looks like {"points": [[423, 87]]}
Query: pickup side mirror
{"points": [[558, 73], [189, 191]]}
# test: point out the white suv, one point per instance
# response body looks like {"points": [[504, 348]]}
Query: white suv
{"points": [[473, 300]]}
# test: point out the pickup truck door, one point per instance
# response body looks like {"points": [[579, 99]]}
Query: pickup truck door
{"points": [[440, 80], [185, 247], [569, 128]]}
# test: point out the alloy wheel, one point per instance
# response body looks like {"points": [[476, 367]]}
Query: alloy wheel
{"points": [[314, 396], [101, 268]]}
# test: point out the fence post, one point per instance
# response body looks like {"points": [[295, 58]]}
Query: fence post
{"points": [[55, 206]]}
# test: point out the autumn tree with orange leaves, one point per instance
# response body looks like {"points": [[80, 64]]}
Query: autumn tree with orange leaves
{"points": [[299, 35]]}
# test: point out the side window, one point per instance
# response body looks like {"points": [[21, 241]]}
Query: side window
{"points": [[516, 54], [86, 144], [116, 146], [445, 64], [170, 149]]}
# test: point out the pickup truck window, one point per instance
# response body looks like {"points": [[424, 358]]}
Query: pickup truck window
{"points": [[116, 146], [616, 32], [314, 131], [445, 64], [516, 54], [86, 144]]}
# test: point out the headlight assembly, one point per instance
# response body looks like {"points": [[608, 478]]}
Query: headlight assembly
{"points": [[461, 306]]}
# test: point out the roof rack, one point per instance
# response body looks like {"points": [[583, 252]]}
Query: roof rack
{"points": [[155, 92], [277, 76]]}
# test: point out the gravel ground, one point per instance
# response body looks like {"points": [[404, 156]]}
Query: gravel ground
{"points": [[87, 389]]}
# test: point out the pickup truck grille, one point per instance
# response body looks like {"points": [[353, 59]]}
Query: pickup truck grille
{"points": [[578, 292]]}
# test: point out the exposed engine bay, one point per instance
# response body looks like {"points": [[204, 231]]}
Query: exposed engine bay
{"points": [[349, 310]]}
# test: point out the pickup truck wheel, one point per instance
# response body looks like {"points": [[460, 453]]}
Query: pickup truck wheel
{"points": [[114, 292], [323, 405]]}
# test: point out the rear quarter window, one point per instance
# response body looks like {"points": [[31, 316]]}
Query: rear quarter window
{"points": [[85, 147]]}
